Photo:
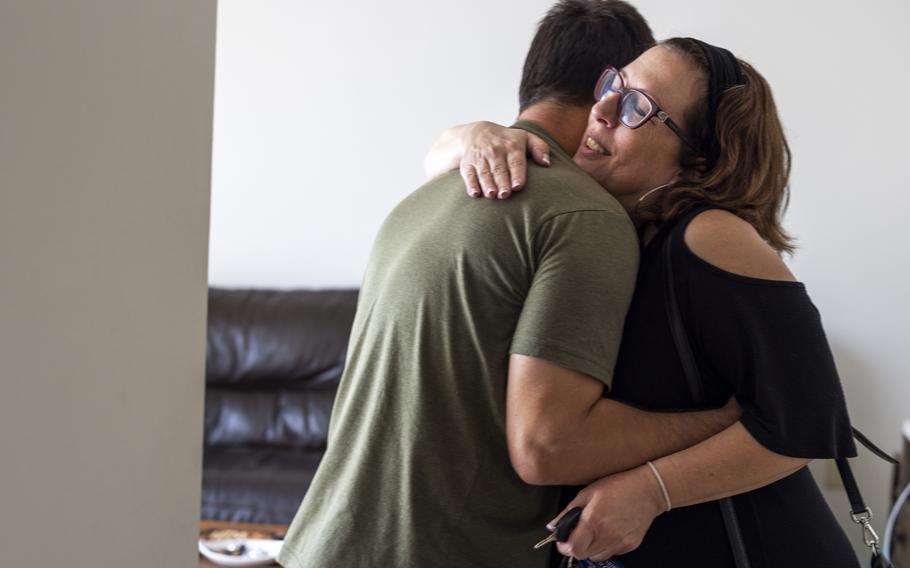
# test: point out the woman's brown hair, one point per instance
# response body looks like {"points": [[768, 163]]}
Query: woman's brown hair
{"points": [[751, 175]]}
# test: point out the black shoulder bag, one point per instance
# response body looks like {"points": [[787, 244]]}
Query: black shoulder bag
{"points": [[859, 512]]}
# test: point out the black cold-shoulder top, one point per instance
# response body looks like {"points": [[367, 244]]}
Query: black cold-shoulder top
{"points": [[762, 341]]}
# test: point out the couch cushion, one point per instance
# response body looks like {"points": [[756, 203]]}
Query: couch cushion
{"points": [[257, 337], [255, 485], [280, 417]]}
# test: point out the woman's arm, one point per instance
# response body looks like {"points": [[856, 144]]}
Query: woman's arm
{"points": [[619, 509], [491, 157], [729, 463], [445, 154]]}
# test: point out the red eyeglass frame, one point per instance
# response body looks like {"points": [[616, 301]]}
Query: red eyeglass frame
{"points": [[600, 90]]}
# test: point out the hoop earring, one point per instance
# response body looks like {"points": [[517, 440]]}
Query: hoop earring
{"points": [[642, 198]]}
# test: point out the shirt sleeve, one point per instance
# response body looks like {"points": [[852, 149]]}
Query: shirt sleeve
{"points": [[765, 338], [585, 268]]}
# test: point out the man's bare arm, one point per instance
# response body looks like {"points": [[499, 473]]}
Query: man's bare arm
{"points": [[561, 431]]}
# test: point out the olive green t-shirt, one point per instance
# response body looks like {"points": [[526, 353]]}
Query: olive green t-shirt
{"points": [[417, 471]]}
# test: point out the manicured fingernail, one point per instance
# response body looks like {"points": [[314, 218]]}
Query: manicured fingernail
{"points": [[546, 159], [504, 193], [491, 193], [475, 192], [516, 183]]}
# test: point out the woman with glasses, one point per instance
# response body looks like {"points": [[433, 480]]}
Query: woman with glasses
{"points": [[688, 140]]}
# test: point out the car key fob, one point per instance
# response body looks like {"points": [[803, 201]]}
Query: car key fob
{"points": [[567, 523], [564, 527]]}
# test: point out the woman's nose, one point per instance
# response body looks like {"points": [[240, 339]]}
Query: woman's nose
{"points": [[606, 110]]}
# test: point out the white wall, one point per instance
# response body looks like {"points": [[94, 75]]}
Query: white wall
{"points": [[105, 145], [323, 112]]}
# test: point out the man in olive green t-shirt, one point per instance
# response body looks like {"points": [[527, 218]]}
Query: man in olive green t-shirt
{"points": [[486, 333], [417, 471]]}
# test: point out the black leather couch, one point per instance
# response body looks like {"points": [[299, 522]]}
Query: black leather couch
{"points": [[273, 361]]}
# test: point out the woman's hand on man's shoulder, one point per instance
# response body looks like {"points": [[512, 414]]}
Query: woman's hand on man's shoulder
{"points": [[494, 159], [732, 244]]}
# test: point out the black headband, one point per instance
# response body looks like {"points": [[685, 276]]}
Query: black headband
{"points": [[724, 71]]}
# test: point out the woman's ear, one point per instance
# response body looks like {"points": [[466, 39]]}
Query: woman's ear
{"points": [[695, 170]]}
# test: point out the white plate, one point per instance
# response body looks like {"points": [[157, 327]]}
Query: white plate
{"points": [[258, 551]]}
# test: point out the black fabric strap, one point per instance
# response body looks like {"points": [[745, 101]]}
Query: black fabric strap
{"points": [[862, 439], [693, 378], [683, 349], [857, 505]]}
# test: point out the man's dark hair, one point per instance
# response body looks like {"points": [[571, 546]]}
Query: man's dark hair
{"points": [[573, 44]]}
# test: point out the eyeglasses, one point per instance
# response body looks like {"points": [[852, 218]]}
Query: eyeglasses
{"points": [[635, 107]]}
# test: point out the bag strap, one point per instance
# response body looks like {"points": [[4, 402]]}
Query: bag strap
{"points": [[693, 378], [859, 512], [862, 439]]}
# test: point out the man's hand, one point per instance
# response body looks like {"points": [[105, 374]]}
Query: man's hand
{"points": [[618, 511]]}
